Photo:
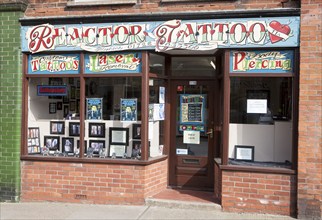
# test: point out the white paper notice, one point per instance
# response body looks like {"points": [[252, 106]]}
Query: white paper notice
{"points": [[191, 137], [258, 106]]}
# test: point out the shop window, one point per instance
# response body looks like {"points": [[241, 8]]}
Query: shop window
{"points": [[112, 114], [261, 119], [156, 116]]}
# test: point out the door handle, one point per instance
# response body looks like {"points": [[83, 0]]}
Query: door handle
{"points": [[210, 133]]}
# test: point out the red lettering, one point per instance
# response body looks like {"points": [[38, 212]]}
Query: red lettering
{"points": [[264, 64], [103, 60], [40, 36], [75, 64], [237, 55], [125, 34], [34, 64], [252, 34], [252, 64], [242, 34], [119, 58]]}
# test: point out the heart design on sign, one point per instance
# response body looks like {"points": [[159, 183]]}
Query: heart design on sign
{"points": [[277, 28]]}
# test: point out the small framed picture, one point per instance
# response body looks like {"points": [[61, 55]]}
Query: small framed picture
{"points": [[136, 149], [96, 146], [68, 145], [59, 105], [72, 92], [119, 136], [57, 127], [117, 150], [51, 142], [245, 153], [136, 133], [66, 110], [52, 108], [74, 128], [96, 130], [72, 106]]}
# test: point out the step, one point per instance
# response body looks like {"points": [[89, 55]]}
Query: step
{"points": [[166, 203]]}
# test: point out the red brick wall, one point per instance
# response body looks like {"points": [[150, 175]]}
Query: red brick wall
{"points": [[91, 183], [258, 193], [310, 111], [58, 7], [218, 181]]}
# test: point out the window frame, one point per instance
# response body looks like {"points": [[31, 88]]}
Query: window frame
{"points": [[223, 161]]}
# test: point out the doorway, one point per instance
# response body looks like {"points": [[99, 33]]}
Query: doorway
{"points": [[192, 138]]}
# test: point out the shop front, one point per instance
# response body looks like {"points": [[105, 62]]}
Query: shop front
{"points": [[117, 112]]}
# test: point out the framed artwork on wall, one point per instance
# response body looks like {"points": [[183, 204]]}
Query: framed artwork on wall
{"points": [[51, 142], [96, 130], [52, 108], [136, 132], [74, 128], [68, 145], [57, 127], [96, 146], [136, 149], [119, 136], [117, 150]]}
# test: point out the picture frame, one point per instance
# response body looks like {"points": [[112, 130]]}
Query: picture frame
{"points": [[117, 150], [136, 149], [78, 145], [68, 145], [72, 106], [96, 129], [57, 127], [33, 140], [119, 136], [244, 153], [74, 128], [66, 110], [72, 92], [136, 131], [52, 108], [59, 105], [97, 146], [52, 143]]}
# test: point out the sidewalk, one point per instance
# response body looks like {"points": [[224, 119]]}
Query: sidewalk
{"points": [[64, 211]]}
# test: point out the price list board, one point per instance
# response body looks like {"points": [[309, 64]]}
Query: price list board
{"points": [[192, 109]]}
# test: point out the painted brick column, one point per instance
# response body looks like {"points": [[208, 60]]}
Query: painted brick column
{"points": [[310, 112], [10, 99]]}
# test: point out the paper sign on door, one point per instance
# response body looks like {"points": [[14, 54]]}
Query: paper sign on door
{"points": [[191, 137]]}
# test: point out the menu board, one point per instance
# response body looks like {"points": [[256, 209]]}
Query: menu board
{"points": [[192, 109]]}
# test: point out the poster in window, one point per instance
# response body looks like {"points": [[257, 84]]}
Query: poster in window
{"points": [[129, 109], [161, 94], [94, 108], [192, 109]]}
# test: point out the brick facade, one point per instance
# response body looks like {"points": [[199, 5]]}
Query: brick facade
{"points": [[10, 96], [310, 112], [92, 183], [258, 192], [238, 191]]}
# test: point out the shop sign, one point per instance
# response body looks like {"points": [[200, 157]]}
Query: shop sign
{"points": [[49, 64], [262, 61], [43, 90], [164, 35], [113, 63]]}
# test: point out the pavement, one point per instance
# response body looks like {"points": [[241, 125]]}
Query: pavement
{"points": [[70, 211]]}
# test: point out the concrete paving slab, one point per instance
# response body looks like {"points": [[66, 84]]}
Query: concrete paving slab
{"points": [[70, 211]]}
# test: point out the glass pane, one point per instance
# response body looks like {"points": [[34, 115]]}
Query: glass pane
{"points": [[157, 64], [261, 118], [193, 66], [183, 148], [51, 101], [157, 100]]}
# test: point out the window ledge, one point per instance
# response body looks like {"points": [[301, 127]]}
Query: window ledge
{"points": [[254, 169], [94, 160], [100, 3], [183, 1]]}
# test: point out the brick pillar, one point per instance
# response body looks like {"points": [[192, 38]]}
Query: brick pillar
{"points": [[310, 112], [10, 99]]}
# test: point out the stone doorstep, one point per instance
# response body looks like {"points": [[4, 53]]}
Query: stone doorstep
{"points": [[181, 204]]}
